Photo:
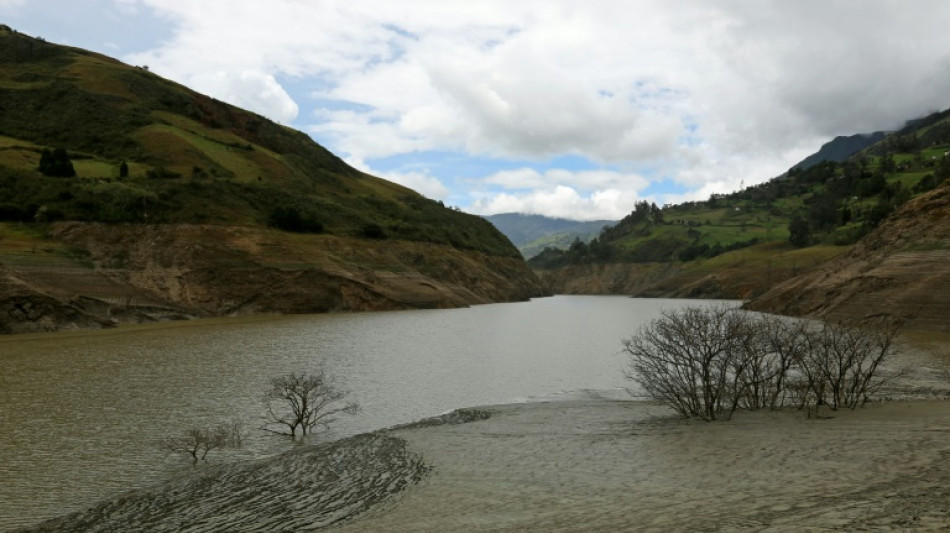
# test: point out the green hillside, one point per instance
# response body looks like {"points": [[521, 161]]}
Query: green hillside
{"points": [[85, 137], [830, 204]]}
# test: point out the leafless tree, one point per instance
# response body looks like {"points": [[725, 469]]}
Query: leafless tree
{"points": [[707, 362], [842, 361], [197, 442], [774, 345], [690, 360], [304, 401]]}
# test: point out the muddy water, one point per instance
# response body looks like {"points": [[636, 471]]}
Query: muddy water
{"points": [[81, 412]]}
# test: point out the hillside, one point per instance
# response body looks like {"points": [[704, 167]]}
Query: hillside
{"points": [[138, 186], [533, 233], [901, 268], [739, 245]]}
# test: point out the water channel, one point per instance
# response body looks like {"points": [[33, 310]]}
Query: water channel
{"points": [[81, 413]]}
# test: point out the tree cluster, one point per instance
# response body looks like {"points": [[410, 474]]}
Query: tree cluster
{"points": [[707, 362], [56, 163], [836, 186]]}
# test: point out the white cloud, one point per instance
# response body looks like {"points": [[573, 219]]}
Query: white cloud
{"points": [[579, 195], [561, 202], [705, 94], [421, 182], [256, 91], [529, 178], [9, 5]]}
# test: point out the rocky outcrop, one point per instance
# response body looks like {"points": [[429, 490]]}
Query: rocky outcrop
{"points": [[151, 272], [28, 311], [902, 268]]}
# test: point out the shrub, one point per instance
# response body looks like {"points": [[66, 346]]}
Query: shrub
{"points": [[373, 231], [291, 219], [56, 164]]}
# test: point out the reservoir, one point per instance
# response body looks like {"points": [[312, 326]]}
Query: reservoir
{"points": [[82, 413]]}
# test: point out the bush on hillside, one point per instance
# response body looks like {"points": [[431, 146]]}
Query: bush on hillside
{"points": [[56, 164], [291, 219]]}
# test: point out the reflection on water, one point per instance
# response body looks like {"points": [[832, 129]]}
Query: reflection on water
{"points": [[81, 412]]}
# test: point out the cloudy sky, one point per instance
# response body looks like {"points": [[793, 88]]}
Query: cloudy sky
{"points": [[566, 108]]}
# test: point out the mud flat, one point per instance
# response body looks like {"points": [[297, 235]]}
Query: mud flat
{"points": [[627, 466], [596, 465], [593, 464]]}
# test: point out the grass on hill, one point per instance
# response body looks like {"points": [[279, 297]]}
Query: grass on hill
{"points": [[190, 159]]}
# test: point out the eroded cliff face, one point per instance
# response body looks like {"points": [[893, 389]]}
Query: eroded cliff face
{"points": [[902, 268], [151, 272], [669, 280], [634, 279]]}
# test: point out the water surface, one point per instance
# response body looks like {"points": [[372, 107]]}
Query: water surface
{"points": [[81, 412]]}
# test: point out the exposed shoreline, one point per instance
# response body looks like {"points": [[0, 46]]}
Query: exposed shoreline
{"points": [[594, 465], [621, 465]]}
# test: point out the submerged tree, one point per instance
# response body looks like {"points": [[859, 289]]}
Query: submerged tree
{"points": [[197, 442], [304, 401], [707, 362], [690, 360]]}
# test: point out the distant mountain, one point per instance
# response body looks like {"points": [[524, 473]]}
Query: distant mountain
{"points": [[840, 149], [532, 233]]}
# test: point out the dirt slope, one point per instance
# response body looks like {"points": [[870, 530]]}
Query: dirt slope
{"points": [[737, 275], [135, 272], [901, 268]]}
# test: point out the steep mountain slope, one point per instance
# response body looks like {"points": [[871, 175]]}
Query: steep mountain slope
{"points": [[123, 194], [902, 268]]}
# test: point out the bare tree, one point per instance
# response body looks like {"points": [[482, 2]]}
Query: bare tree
{"points": [[707, 362], [774, 345], [198, 442], [691, 360], [303, 401], [842, 361]]}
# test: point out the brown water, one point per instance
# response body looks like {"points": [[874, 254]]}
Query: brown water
{"points": [[81, 412]]}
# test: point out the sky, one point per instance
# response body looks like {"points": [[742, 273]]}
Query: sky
{"points": [[571, 109]]}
